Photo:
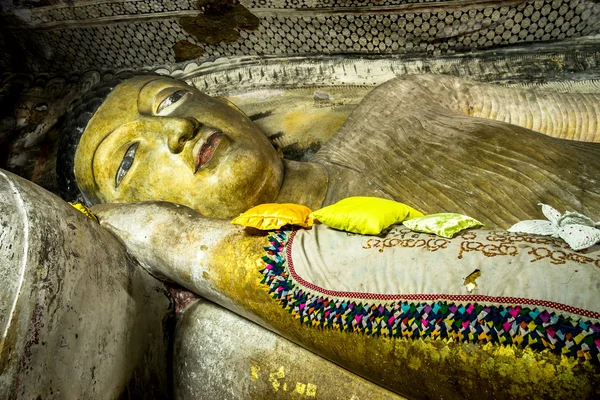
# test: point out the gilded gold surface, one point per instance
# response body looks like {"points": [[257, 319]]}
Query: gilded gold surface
{"points": [[453, 370], [244, 169]]}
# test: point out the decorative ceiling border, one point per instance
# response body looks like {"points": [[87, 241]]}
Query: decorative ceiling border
{"points": [[96, 13], [299, 4], [100, 12], [568, 66], [173, 5]]}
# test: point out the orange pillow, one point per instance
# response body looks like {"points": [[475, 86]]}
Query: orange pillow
{"points": [[274, 216]]}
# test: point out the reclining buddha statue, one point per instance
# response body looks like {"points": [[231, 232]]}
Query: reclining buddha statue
{"points": [[438, 143], [394, 309]]}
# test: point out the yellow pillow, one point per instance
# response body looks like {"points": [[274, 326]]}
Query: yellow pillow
{"points": [[274, 216], [365, 215]]}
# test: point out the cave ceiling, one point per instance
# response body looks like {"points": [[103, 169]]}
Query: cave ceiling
{"points": [[54, 35]]}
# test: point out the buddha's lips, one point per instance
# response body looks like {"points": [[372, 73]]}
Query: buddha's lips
{"points": [[207, 150]]}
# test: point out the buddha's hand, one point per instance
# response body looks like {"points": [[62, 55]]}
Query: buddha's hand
{"points": [[172, 242]]}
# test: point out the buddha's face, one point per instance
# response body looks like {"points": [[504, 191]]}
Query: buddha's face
{"points": [[156, 138]]}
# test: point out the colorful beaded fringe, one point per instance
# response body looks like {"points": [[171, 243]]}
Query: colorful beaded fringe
{"points": [[534, 327]]}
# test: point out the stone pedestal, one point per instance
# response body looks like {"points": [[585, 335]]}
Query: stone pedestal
{"points": [[220, 355]]}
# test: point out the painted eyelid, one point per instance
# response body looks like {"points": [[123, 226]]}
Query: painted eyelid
{"points": [[129, 154], [159, 111]]}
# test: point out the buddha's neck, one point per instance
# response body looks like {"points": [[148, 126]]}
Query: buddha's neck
{"points": [[316, 185], [303, 183]]}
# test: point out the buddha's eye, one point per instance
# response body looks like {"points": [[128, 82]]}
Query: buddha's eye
{"points": [[173, 98], [126, 163]]}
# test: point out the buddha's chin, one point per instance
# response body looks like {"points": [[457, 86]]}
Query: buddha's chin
{"points": [[260, 183]]}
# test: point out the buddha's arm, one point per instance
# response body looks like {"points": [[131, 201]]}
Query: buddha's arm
{"points": [[218, 261], [177, 244], [574, 116]]}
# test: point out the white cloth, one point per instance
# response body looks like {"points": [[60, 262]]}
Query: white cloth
{"points": [[579, 231], [514, 268]]}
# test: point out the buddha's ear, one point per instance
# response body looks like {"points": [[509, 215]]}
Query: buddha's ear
{"points": [[230, 104]]}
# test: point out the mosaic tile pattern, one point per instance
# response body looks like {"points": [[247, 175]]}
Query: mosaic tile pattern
{"points": [[108, 9], [145, 42], [91, 10], [115, 46], [329, 3]]}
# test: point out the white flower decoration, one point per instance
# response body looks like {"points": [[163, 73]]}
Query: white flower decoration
{"points": [[579, 231]]}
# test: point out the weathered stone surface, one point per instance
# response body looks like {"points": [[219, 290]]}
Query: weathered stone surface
{"points": [[78, 318], [220, 355], [220, 22]]}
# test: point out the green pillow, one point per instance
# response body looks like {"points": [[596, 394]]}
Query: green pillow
{"points": [[365, 215], [443, 224]]}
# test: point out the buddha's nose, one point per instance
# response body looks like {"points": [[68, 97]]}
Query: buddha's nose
{"points": [[180, 131]]}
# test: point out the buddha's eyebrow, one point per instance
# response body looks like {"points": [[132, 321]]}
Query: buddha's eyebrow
{"points": [[139, 96], [137, 102], [103, 140], [107, 136]]}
